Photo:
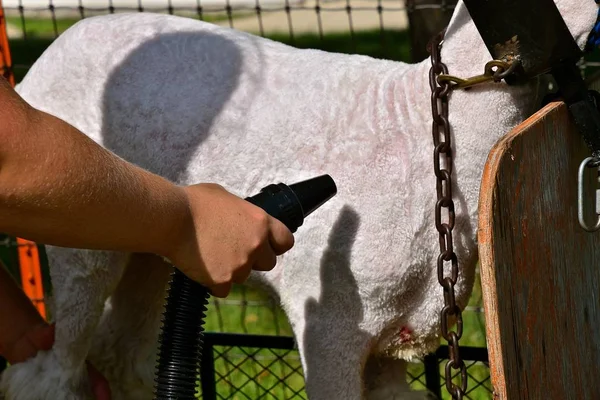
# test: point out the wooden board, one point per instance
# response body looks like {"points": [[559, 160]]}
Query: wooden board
{"points": [[540, 270]]}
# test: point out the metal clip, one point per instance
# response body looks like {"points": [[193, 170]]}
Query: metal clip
{"points": [[585, 163], [502, 70]]}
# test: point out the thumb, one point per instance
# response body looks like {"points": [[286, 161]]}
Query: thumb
{"points": [[280, 237]]}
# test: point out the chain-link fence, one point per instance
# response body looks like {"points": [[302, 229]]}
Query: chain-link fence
{"points": [[267, 367], [250, 352]]}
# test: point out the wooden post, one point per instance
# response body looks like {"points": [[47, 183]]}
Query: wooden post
{"points": [[540, 270], [426, 18]]}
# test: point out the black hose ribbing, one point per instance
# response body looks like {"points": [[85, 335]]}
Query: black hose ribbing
{"points": [[181, 339]]}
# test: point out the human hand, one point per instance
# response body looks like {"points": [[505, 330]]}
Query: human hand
{"points": [[41, 337], [226, 238]]}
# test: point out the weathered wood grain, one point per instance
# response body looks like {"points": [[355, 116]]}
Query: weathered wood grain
{"points": [[540, 270]]}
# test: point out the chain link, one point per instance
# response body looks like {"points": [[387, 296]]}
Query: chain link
{"points": [[442, 166], [495, 71]]}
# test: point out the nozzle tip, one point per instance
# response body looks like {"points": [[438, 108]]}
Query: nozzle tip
{"points": [[314, 192]]}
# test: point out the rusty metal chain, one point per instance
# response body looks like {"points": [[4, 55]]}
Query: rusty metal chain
{"points": [[495, 71], [442, 164]]}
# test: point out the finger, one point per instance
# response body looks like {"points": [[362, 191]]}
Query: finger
{"points": [[220, 290], [280, 237], [266, 259], [241, 275]]}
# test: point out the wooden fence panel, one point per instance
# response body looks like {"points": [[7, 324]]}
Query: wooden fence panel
{"points": [[540, 270]]}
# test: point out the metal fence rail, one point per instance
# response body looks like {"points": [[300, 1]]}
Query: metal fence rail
{"points": [[272, 370]]}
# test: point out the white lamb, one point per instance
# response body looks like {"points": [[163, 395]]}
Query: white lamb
{"points": [[198, 103]]}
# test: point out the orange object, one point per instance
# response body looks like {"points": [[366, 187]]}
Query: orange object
{"points": [[31, 274], [5, 59]]}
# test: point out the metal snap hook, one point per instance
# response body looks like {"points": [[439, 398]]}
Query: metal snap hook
{"points": [[585, 163]]}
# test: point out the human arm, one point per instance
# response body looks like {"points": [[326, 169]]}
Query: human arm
{"points": [[24, 332], [20, 320], [59, 187]]}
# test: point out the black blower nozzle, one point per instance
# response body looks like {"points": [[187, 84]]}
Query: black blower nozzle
{"points": [[291, 204], [181, 338]]}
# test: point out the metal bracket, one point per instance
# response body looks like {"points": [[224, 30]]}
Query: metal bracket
{"points": [[532, 30], [580, 197]]}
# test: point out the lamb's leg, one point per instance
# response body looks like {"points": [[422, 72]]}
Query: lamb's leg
{"points": [[385, 379], [125, 345], [325, 309], [81, 280], [327, 313], [340, 365], [333, 367]]}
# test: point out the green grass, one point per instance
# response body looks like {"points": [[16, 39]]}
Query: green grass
{"points": [[41, 27], [25, 52], [245, 367], [261, 377], [49, 28], [256, 317]]}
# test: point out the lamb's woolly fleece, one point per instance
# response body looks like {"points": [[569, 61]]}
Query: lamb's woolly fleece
{"points": [[195, 103], [594, 38]]}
